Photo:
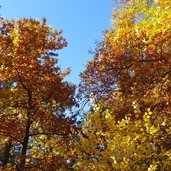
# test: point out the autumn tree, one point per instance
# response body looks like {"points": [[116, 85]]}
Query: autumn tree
{"points": [[34, 131], [132, 64], [129, 79]]}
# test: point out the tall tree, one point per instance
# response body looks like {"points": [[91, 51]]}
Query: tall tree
{"points": [[33, 95], [133, 61], [130, 82]]}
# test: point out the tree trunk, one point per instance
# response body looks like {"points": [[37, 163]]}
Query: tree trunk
{"points": [[21, 164], [6, 153]]}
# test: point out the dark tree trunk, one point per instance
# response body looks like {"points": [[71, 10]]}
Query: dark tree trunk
{"points": [[21, 164], [6, 153]]}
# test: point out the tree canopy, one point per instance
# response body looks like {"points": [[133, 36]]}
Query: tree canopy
{"points": [[128, 127], [128, 84], [33, 96], [133, 61]]}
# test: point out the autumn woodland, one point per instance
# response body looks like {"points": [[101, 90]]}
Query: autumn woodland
{"points": [[119, 116]]}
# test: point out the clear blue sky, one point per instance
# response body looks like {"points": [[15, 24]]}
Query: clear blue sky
{"points": [[82, 22]]}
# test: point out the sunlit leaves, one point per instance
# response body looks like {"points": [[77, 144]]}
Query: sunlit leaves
{"points": [[124, 145], [134, 58], [130, 75], [33, 95]]}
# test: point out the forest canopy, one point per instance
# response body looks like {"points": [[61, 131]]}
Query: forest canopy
{"points": [[127, 83]]}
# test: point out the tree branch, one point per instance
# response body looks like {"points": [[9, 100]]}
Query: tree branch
{"points": [[48, 133]]}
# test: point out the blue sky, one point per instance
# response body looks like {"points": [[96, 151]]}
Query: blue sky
{"points": [[82, 22]]}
